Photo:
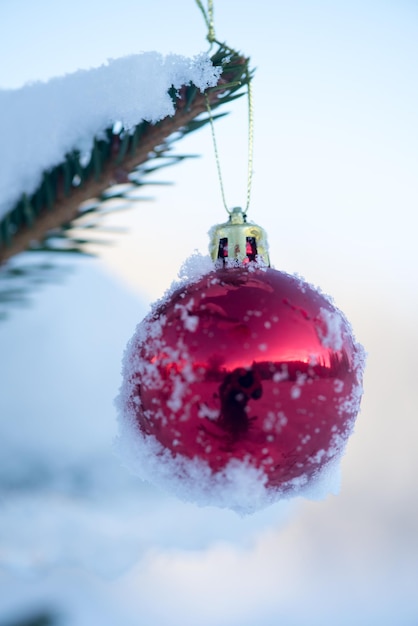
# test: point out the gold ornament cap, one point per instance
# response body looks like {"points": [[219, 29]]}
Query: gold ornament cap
{"points": [[238, 239]]}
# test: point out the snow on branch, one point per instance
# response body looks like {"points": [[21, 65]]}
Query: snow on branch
{"points": [[42, 122], [66, 141]]}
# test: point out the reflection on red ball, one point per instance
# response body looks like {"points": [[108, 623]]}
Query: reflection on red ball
{"points": [[246, 364]]}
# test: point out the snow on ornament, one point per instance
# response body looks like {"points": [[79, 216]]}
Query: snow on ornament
{"points": [[242, 384]]}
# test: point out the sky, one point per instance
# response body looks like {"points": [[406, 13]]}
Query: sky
{"points": [[335, 124], [335, 186], [335, 137]]}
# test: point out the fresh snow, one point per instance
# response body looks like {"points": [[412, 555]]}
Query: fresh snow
{"points": [[41, 122]]}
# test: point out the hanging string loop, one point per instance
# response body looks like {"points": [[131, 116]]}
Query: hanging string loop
{"points": [[211, 37], [208, 17]]}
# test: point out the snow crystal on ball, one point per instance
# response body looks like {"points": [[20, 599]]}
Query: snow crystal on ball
{"points": [[194, 267], [332, 336], [295, 392], [190, 321]]}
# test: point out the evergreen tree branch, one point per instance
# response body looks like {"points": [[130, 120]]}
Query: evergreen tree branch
{"points": [[56, 202]]}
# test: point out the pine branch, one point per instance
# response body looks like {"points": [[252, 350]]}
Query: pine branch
{"points": [[114, 159]]}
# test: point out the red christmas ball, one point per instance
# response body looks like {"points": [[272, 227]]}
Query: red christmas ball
{"points": [[245, 368]]}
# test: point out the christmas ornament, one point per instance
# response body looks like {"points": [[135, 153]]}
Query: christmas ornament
{"points": [[243, 384]]}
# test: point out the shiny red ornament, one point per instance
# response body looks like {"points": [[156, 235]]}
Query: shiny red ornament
{"points": [[246, 364]]}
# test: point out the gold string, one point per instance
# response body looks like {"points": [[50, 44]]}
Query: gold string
{"points": [[208, 17], [215, 149], [250, 140]]}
